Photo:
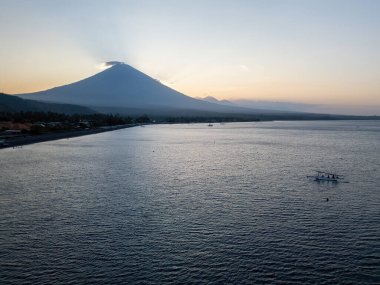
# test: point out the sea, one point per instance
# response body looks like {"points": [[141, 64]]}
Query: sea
{"points": [[194, 204]]}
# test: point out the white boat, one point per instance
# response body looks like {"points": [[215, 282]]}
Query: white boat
{"points": [[326, 176]]}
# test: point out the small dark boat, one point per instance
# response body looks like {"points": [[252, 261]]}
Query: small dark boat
{"points": [[326, 176]]}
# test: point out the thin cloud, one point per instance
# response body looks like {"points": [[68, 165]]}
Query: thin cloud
{"points": [[244, 67], [108, 64], [112, 63]]}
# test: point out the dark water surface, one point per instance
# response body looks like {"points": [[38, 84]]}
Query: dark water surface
{"points": [[194, 204]]}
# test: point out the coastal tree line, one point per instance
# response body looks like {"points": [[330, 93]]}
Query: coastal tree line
{"points": [[103, 119], [64, 121]]}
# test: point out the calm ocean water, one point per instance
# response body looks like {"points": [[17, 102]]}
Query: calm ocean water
{"points": [[194, 204]]}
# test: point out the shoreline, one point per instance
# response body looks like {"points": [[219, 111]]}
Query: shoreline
{"points": [[31, 139]]}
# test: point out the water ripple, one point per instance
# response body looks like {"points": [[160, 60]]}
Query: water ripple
{"points": [[189, 204]]}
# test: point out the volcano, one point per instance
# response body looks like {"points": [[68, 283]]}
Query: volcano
{"points": [[124, 87]]}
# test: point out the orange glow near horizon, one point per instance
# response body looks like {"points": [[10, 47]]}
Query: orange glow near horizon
{"points": [[261, 89], [324, 52]]}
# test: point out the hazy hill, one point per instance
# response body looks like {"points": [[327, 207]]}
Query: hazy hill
{"points": [[10, 103], [214, 100]]}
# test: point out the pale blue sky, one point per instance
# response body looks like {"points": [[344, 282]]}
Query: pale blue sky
{"points": [[285, 50]]}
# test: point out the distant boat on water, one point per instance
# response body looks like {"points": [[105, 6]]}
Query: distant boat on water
{"points": [[322, 176]]}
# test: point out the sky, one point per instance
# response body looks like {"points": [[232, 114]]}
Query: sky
{"points": [[305, 51]]}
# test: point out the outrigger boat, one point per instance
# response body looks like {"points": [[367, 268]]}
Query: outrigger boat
{"points": [[326, 176]]}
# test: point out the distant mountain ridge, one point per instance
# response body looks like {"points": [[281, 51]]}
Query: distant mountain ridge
{"points": [[10, 103], [214, 100]]}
